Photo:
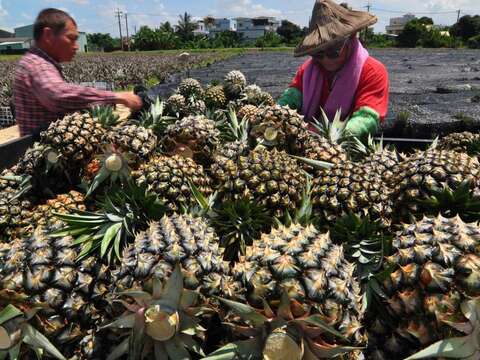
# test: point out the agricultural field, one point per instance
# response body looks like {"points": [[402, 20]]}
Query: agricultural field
{"points": [[123, 70], [216, 225]]}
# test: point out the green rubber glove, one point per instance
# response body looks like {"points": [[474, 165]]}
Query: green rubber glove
{"points": [[291, 97], [363, 122]]}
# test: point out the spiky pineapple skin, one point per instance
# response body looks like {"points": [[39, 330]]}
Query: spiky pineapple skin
{"points": [[173, 239], [176, 105], [351, 187], [170, 177], [416, 177], [215, 97], [436, 267], [190, 88], [460, 142], [46, 269], [248, 112], [234, 83], [321, 149], [305, 264], [134, 139], [196, 132], [76, 137], [288, 126], [225, 157], [272, 178]]}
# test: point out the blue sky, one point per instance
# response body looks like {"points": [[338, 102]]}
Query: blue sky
{"points": [[98, 16]]}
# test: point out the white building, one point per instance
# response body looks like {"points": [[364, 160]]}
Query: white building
{"points": [[397, 24], [220, 25], [201, 28], [253, 28]]}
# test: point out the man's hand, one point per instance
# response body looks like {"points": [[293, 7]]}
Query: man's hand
{"points": [[130, 100]]}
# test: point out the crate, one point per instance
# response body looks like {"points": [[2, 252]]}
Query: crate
{"points": [[6, 117], [11, 151], [99, 85]]}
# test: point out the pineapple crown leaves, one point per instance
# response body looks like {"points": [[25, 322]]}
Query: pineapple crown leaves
{"points": [[114, 167], [467, 347], [366, 244], [22, 333], [124, 211], [155, 119], [303, 215], [162, 321], [291, 329], [233, 130], [105, 115], [239, 223], [462, 201]]}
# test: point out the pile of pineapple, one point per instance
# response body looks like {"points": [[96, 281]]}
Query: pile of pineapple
{"points": [[218, 225]]}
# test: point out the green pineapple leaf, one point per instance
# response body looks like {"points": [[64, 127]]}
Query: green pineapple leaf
{"points": [[9, 313], [246, 312], [38, 341], [245, 349], [455, 348]]}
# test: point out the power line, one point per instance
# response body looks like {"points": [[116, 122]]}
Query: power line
{"points": [[416, 12]]}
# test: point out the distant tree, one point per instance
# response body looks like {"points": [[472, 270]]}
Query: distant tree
{"points": [[227, 39], [466, 27], [425, 20], [411, 34], [270, 39], [289, 31], [185, 27], [166, 27], [101, 42], [146, 39], [474, 42]]}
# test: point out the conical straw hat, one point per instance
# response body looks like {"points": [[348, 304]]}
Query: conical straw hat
{"points": [[330, 23]]}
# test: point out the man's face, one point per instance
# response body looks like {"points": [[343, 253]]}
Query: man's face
{"points": [[64, 46], [333, 59]]}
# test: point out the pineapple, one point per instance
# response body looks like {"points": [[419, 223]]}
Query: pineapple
{"points": [[466, 142], [328, 141], [418, 177], [169, 318], [190, 88], [234, 83], [287, 331], [76, 137], [170, 179], [280, 127], [215, 97], [248, 112], [254, 95], [197, 133], [195, 106], [381, 159], [46, 269], [436, 267], [15, 213], [132, 137], [273, 179], [351, 187], [176, 105], [305, 265], [173, 239]]}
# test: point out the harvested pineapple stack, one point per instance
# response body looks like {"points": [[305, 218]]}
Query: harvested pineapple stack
{"points": [[223, 225]]}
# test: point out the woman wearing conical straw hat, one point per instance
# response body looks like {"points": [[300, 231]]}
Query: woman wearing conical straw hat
{"points": [[339, 74]]}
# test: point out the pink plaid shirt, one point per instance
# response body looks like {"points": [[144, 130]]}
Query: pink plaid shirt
{"points": [[42, 95]]}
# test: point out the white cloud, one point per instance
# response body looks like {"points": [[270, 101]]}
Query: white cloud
{"points": [[231, 8]]}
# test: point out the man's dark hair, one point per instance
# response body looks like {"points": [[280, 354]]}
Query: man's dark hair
{"points": [[53, 18]]}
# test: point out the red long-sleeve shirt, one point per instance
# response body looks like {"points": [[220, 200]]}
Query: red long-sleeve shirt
{"points": [[372, 90], [41, 94]]}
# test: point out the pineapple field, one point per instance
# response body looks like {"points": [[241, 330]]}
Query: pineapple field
{"points": [[215, 224]]}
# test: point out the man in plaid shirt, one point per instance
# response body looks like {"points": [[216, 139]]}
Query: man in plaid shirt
{"points": [[41, 94]]}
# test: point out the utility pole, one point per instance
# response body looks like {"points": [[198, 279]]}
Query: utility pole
{"points": [[368, 6], [458, 15], [118, 13], [126, 25]]}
